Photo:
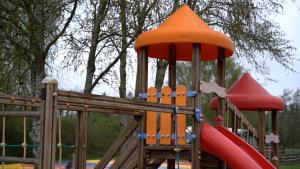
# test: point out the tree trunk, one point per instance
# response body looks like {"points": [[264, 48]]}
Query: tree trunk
{"points": [[91, 68], [137, 79], [122, 88], [160, 73], [37, 75]]}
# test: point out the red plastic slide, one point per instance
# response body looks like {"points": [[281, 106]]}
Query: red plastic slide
{"points": [[230, 148]]}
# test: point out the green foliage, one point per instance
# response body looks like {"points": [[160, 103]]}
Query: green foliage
{"points": [[290, 166], [290, 119], [14, 136], [102, 131]]}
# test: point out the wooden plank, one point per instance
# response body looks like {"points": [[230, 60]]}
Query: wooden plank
{"points": [[151, 118], [49, 127], [125, 104], [42, 135], [181, 100], [81, 140], [131, 162], [196, 102], [117, 145], [20, 113], [275, 146], [20, 103], [221, 79], [121, 159], [234, 126], [18, 160], [168, 147], [167, 154], [172, 85], [100, 109], [165, 118], [143, 85], [19, 98], [261, 132]]}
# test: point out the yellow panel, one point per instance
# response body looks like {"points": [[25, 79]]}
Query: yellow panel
{"points": [[151, 118], [181, 100], [165, 118]]}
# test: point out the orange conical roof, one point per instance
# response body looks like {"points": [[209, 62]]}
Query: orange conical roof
{"points": [[182, 29], [247, 94]]}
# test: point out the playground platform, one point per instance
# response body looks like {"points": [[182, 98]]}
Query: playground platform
{"points": [[89, 165]]}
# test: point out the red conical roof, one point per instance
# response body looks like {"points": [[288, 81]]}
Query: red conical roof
{"points": [[248, 95], [182, 29]]}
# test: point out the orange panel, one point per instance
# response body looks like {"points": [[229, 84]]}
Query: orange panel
{"points": [[165, 118], [181, 100], [151, 118]]}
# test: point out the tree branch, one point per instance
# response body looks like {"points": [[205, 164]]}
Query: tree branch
{"points": [[64, 28]]}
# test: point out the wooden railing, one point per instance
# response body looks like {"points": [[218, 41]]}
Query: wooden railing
{"points": [[54, 100]]}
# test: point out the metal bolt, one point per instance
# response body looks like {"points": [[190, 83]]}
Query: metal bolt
{"points": [[24, 145], [13, 98]]}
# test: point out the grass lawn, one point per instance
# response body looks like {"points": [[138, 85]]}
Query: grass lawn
{"points": [[290, 166]]}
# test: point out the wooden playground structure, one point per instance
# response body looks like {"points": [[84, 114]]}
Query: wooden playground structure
{"points": [[158, 129]]}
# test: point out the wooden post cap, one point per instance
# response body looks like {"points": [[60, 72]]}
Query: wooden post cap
{"points": [[49, 80]]}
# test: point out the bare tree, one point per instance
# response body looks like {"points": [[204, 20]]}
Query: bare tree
{"points": [[33, 27]]}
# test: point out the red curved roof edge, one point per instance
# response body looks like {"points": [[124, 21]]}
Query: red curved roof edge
{"points": [[248, 95]]}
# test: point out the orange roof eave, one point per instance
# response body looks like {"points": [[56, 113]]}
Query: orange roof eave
{"points": [[159, 36]]}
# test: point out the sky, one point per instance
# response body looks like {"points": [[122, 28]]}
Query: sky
{"points": [[289, 21]]}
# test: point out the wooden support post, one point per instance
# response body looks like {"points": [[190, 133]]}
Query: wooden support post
{"points": [[81, 140], [143, 85], [275, 146], [261, 132], [196, 101], [172, 84], [221, 80], [234, 122], [48, 124]]}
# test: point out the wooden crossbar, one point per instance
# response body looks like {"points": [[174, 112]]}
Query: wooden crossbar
{"points": [[20, 113], [18, 159]]}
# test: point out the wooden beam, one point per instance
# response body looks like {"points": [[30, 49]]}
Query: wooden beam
{"points": [[221, 79], [20, 102], [126, 155], [143, 76], [20, 113], [81, 140], [85, 103], [196, 102], [132, 160], [15, 99], [172, 84], [18, 160], [261, 132], [117, 145], [221, 82], [275, 146], [234, 122], [48, 130], [169, 154]]}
